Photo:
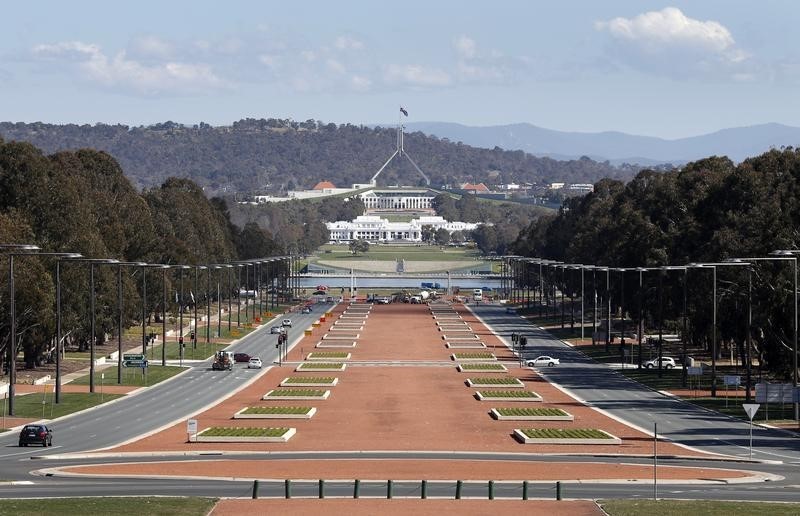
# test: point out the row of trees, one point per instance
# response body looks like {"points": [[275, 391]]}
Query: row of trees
{"points": [[81, 202], [708, 211]]}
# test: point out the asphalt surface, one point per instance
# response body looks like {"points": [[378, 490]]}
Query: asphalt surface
{"points": [[629, 401], [199, 387]]}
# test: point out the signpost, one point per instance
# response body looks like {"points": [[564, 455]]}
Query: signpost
{"points": [[697, 372], [731, 380], [191, 429], [137, 360], [751, 409]]}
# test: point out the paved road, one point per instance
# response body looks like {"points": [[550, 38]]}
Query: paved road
{"points": [[631, 402], [191, 391], [161, 405]]}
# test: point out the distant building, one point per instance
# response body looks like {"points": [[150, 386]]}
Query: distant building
{"points": [[379, 229], [474, 189], [557, 186], [581, 188], [399, 199]]}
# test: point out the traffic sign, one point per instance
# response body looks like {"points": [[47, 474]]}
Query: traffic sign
{"points": [[134, 363], [732, 380], [751, 409], [133, 356]]}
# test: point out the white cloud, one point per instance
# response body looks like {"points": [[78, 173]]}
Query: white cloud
{"points": [[360, 83], [669, 42], [348, 43], [151, 46], [416, 76], [129, 75]]}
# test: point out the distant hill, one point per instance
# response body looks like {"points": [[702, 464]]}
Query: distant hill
{"points": [[271, 156], [736, 143]]}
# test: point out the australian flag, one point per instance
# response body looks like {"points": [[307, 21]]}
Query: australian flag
{"points": [[403, 111]]}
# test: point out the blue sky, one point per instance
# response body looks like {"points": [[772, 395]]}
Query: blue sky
{"points": [[673, 69]]}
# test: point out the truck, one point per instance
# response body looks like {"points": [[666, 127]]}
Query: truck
{"points": [[223, 360]]}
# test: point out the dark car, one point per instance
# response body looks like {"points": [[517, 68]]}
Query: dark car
{"points": [[241, 357], [36, 434]]}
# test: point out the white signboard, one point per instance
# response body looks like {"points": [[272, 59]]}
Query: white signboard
{"points": [[750, 409], [774, 392], [191, 426], [732, 380]]}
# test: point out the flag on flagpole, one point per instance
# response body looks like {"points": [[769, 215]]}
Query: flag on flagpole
{"points": [[192, 295], [403, 111], [176, 296]]}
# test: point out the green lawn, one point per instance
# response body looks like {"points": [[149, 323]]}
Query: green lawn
{"points": [[31, 406], [132, 376], [220, 431], [139, 506], [391, 253], [696, 508]]}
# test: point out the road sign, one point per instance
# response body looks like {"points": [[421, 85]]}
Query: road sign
{"points": [[135, 356], [694, 371], [134, 363], [774, 392], [751, 409], [732, 380], [191, 426]]}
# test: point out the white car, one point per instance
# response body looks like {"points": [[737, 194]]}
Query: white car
{"points": [[542, 361], [666, 363], [276, 329], [254, 363], [287, 323]]}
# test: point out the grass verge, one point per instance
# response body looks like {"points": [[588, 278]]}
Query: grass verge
{"points": [[277, 410], [143, 506], [696, 508], [561, 433], [132, 376], [37, 406], [230, 431]]}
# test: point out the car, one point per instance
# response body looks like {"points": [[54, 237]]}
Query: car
{"points": [[543, 360], [383, 300], [276, 329], [287, 323], [36, 434], [666, 362], [306, 310], [241, 357], [254, 363]]}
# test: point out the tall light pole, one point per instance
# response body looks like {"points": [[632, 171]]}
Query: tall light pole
{"points": [[713, 266], [12, 347], [57, 389], [119, 314], [181, 268], [783, 255]]}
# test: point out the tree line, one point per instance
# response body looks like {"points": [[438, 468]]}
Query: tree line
{"points": [[273, 155], [708, 211]]}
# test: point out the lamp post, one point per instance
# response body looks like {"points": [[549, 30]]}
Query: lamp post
{"points": [[31, 251], [181, 268], [713, 266], [119, 315], [781, 255], [12, 347]]}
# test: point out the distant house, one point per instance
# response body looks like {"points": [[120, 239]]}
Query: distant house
{"points": [[474, 189], [324, 185]]}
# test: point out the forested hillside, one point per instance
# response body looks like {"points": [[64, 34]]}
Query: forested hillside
{"points": [[278, 155]]}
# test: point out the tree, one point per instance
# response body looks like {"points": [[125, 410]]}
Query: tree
{"points": [[442, 236], [427, 234], [359, 246]]}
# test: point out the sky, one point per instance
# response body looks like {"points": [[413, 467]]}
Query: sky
{"points": [[668, 69]]}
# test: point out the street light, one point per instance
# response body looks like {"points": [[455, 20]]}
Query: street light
{"points": [[12, 348], [713, 266], [181, 268], [119, 315], [782, 255]]}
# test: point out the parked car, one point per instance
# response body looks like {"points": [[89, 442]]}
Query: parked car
{"points": [[287, 323], [36, 434], [276, 329], [666, 362], [543, 360], [241, 357], [384, 300], [306, 310], [254, 363]]}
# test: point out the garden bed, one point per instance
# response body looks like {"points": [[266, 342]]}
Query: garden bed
{"points": [[452, 337], [321, 366], [276, 413], [465, 345], [565, 436], [354, 336], [310, 381], [332, 344], [461, 357], [328, 355], [525, 396], [297, 394], [504, 381], [351, 329], [482, 368], [219, 434], [530, 414]]}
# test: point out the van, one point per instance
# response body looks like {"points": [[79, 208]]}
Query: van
{"points": [[477, 294]]}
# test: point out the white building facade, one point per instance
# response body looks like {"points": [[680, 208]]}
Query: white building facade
{"points": [[377, 229], [397, 200]]}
